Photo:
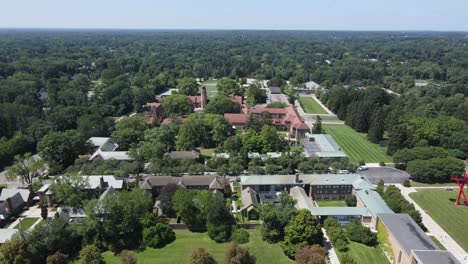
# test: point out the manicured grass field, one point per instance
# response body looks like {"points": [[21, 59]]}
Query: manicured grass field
{"points": [[421, 184], [440, 205], [329, 118], [211, 89], [26, 223], [365, 254], [186, 241], [331, 203], [356, 145], [311, 106]]}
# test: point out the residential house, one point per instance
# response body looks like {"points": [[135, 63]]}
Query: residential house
{"points": [[249, 208], [105, 148], [153, 184]]}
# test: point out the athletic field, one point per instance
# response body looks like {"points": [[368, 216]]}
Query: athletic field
{"points": [[211, 89], [356, 145], [311, 106]]}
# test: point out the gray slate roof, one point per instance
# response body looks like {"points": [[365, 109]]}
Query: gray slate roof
{"points": [[408, 234], [302, 200], [435, 257]]}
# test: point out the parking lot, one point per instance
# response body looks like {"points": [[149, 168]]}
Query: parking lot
{"points": [[387, 174]]}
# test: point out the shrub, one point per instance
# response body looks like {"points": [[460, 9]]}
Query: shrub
{"points": [[158, 236], [361, 234], [347, 259], [351, 200], [90, 255], [201, 256], [240, 236], [341, 244], [238, 255], [362, 163], [127, 257], [407, 183], [57, 258], [382, 163], [314, 254]]}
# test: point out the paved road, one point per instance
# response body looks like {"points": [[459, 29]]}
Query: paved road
{"points": [[435, 230], [387, 174]]}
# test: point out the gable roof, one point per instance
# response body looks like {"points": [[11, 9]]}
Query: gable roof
{"points": [[249, 198], [211, 182], [112, 155], [237, 118], [10, 192], [408, 234], [183, 154], [302, 200], [94, 181]]}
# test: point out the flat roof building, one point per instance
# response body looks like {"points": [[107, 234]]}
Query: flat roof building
{"points": [[322, 146]]}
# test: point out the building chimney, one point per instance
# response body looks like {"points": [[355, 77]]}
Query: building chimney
{"points": [[9, 205], [101, 183], [204, 99]]}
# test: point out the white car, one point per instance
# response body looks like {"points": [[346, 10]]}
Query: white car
{"points": [[363, 168]]}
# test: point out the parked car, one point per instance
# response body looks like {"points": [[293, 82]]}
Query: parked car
{"points": [[363, 168]]}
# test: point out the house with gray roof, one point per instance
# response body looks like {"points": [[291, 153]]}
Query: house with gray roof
{"points": [[193, 155], [153, 184], [249, 204], [106, 149], [322, 146], [409, 243]]}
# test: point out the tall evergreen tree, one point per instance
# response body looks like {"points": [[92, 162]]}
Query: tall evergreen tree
{"points": [[377, 126]]}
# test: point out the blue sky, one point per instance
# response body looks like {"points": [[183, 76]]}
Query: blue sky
{"points": [[237, 14]]}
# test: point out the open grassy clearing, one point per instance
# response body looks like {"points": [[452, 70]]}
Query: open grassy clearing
{"points": [[186, 241], [207, 152], [329, 118], [440, 205], [211, 89], [331, 203], [365, 254], [311, 106], [26, 223], [356, 145]]}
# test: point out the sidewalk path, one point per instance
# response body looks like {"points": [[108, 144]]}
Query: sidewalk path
{"points": [[435, 230], [331, 250]]}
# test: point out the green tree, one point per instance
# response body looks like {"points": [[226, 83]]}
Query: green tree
{"points": [[351, 200], [377, 126], [255, 95], [26, 167], [219, 220], [90, 254], [229, 86], [187, 86], [222, 104], [314, 254], [275, 218], [240, 236], [60, 149], [380, 187], [115, 222], [317, 128], [347, 259], [303, 230], [16, 251], [158, 236], [201, 256], [361, 234], [187, 210], [129, 131], [94, 125], [70, 190], [177, 104], [236, 254]]}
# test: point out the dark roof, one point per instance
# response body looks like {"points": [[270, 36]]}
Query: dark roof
{"points": [[249, 198], [408, 234], [183, 154], [275, 90], [435, 257], [211, 182]]}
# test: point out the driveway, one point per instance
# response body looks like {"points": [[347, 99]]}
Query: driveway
{"points": [[387, 174]]}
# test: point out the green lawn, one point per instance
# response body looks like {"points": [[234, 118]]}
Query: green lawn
{"points": [[26, 223], [437, 242], [329, 118], [186, 241], [211, 89], [365, 254], [421, 184], [207, 152], [311, 106], [440, 205], [356, 145], [331, 203]]}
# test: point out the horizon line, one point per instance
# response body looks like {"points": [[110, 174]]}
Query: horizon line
{"points": [[234, 29]]}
